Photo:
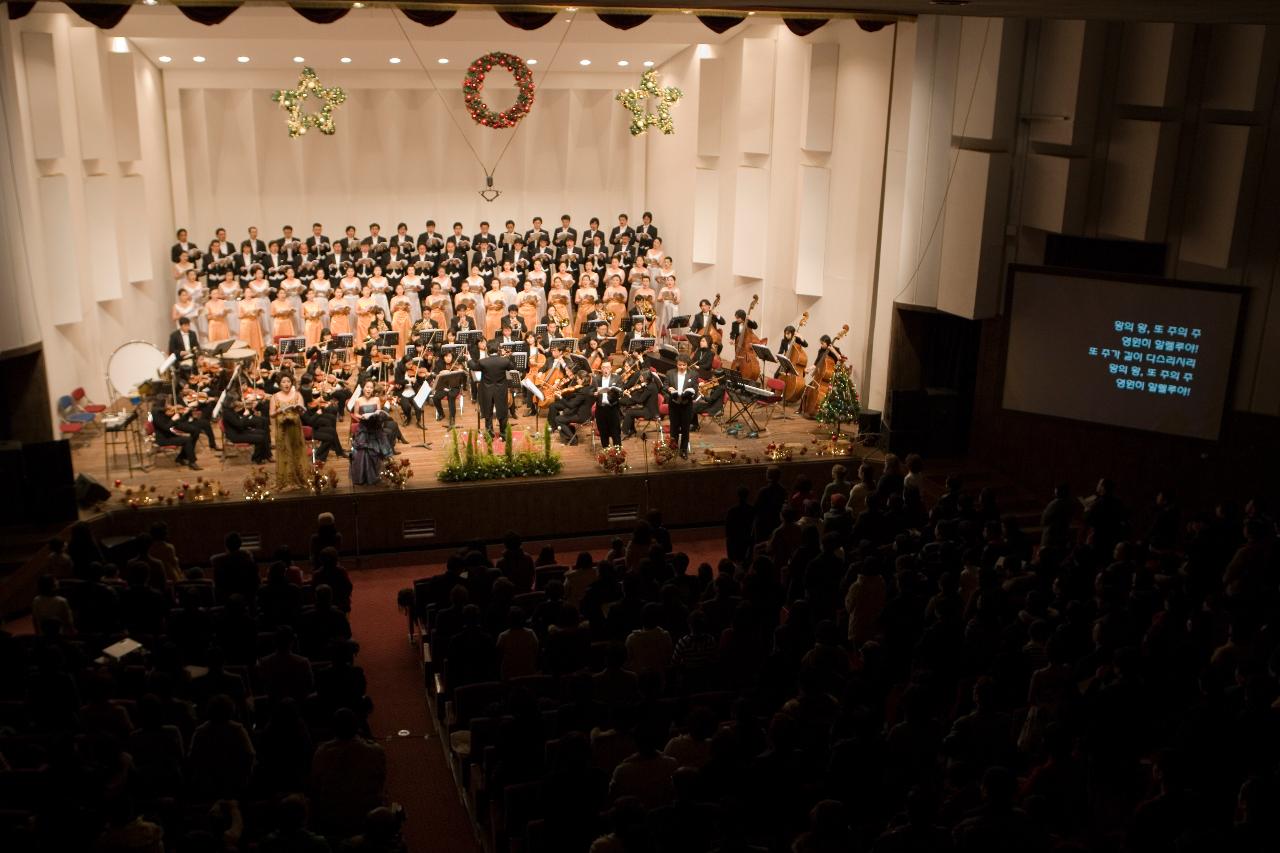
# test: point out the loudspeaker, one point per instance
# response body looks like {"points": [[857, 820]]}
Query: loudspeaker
{"points": [[869, 426], [48, 481], [89, 491]]}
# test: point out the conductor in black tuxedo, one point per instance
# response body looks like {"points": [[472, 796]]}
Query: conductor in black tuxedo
{"points": [[493, 386], [681, 389], [184, 342], [607, 391]]}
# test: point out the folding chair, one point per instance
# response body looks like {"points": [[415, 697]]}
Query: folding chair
{"points": [[83, 402], [72, 421]]}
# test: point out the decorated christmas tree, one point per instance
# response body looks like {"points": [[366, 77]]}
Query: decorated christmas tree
{"points": [[841, 405]]}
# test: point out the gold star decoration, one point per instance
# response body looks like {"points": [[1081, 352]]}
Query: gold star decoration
{"points": [[292, 100], [634, 102]]}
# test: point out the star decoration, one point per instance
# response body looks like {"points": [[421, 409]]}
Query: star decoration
{"points": [[292, 100], [634, 102]]}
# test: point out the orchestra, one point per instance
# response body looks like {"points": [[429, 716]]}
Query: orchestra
{"points": [[573, 328]]}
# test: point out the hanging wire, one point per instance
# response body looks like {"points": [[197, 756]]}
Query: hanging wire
{"points": [[488, 172]]}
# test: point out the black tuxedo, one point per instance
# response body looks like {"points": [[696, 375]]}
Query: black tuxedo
{"points": [[493, 388], [166, 435], [680, 406], [481, 238], [282, 241], [608, 408], [185, 350], [244, 265], [431, 239], [316, 243], [644, 404], [589, 235], [258, 246], [177, 249], [615, 236], [531, 237], [561, 234], [241, 428], [645, 235]]}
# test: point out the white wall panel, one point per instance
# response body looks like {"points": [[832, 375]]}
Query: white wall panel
{"points": [[132, 202], [61, 254], [815, 192], [984, 81], [95, 141], [710, 105], [1066, 81], [42, 96], [706, 215], [1138, 180], [1235, 61], [973, 235], [751, 222], [101, 211], [124, 106], [1153, 63], [1217, 185], [820, 100], [755, 110], [1055, 193]]}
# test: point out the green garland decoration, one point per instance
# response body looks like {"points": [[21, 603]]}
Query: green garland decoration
{"points": [[633, 100], [292, 100], [473, 85], [470, 463]]}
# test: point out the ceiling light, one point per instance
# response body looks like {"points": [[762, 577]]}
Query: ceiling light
{"points": [[584, 62], [571, 8], [357, 5], [444, 60], [299, 59], [197, 59], [119, 44], [165, 58], [531, 62], [687, 11], [395, 60], [242, 59], [622, 63], [648, 63], [150, 2], [345, 60], [749, 14]]}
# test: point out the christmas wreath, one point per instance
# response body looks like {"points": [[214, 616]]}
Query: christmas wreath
{"points": [[473, 85]]}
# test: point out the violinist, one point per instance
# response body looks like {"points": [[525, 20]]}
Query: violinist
{"points": [[242, 424], [704, 355], [643, 398], [169, 433], [445, 363], [322, 417], [411, 375], [192, 415], [573, 407]]}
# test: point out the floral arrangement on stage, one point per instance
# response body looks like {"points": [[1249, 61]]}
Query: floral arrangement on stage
{"points": [[473, 85], [470, 461], [841, 405], [720, 455], [613, 459], [144, 495], [778, 452], [257, 486], [322, 479], [397, 472], [202, 491], [633, 101], [291, 101], [663, 452]]}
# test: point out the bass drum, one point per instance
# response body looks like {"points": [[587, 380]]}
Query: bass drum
{"points": [[133, 365]]}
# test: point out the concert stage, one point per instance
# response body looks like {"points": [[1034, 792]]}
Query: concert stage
{"points": [[428, 513]]}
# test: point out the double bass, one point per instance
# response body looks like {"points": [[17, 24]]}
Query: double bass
{"points": [[745, 361], [793, 384], [820, 382], [715, 332]]}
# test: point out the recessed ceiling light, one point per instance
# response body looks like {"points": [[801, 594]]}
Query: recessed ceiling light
{"points": [[648, 63], [165, 58], [531, 62], [344, 60], [299, 59], [119, 44], [357, 5], [622, 63], [687, 11], [571, 8], [242, 59], [584, 62], [150, 2], [395, 60], [749, 14], [197, 59], [948, 2], [444, 60]]}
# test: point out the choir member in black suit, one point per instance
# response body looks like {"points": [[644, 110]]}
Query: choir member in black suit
{"points": [[184, 342], [317, 242], [349, 243], [509, 236], [646, 233], [564, 233], [288, 242], [431, 238], [615, 236], [571, 256], [257, 245], [403, 238], [484, 237], [536, 233], [592, 232], [375, 239], [183, 245]]}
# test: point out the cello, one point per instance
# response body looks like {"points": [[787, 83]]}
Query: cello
{"points": [[793, 384], [715, 332], [745, 361], [820, 382]]}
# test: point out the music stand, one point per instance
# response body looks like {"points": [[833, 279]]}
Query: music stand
{"points": [[521, 360], [565, 344], [764, 353], [293, 347], [430, 338], [640, 344]]}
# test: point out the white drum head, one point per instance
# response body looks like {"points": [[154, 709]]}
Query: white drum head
{"points": [[132, 364]]}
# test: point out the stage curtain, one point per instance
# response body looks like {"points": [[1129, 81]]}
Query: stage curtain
{"points": [[721, 23], [209, 15], [526, 20], [803, 26], [872, 26], [428, 17], [622, 22], [319, 15], [19, 10], [104, 16]]}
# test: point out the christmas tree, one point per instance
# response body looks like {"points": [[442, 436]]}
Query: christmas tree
{"points": [[841, 405]]}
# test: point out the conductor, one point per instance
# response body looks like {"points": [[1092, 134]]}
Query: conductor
{"points": [[681, 390], [493, 386]]}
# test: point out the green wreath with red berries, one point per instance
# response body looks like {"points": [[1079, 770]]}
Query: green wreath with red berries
{"points": [[473, 85]]}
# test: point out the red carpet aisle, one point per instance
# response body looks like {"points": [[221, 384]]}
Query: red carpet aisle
{"points": [[417, 776]]}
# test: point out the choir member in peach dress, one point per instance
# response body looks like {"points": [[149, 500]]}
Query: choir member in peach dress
{"points": [[251, 325], [282, 317], [217, 310], [437, 304], [586, 300], [364, 313], [401, 319], [313, 311], [339, 316], [495, 308]]}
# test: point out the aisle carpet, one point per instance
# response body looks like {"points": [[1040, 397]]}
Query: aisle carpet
{"points": [[417, 775]]}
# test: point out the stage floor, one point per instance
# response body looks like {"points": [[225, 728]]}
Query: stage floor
{"points": [[89, 456]]}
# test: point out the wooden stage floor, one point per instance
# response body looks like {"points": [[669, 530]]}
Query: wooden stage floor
{"points": [[89, 457]]}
